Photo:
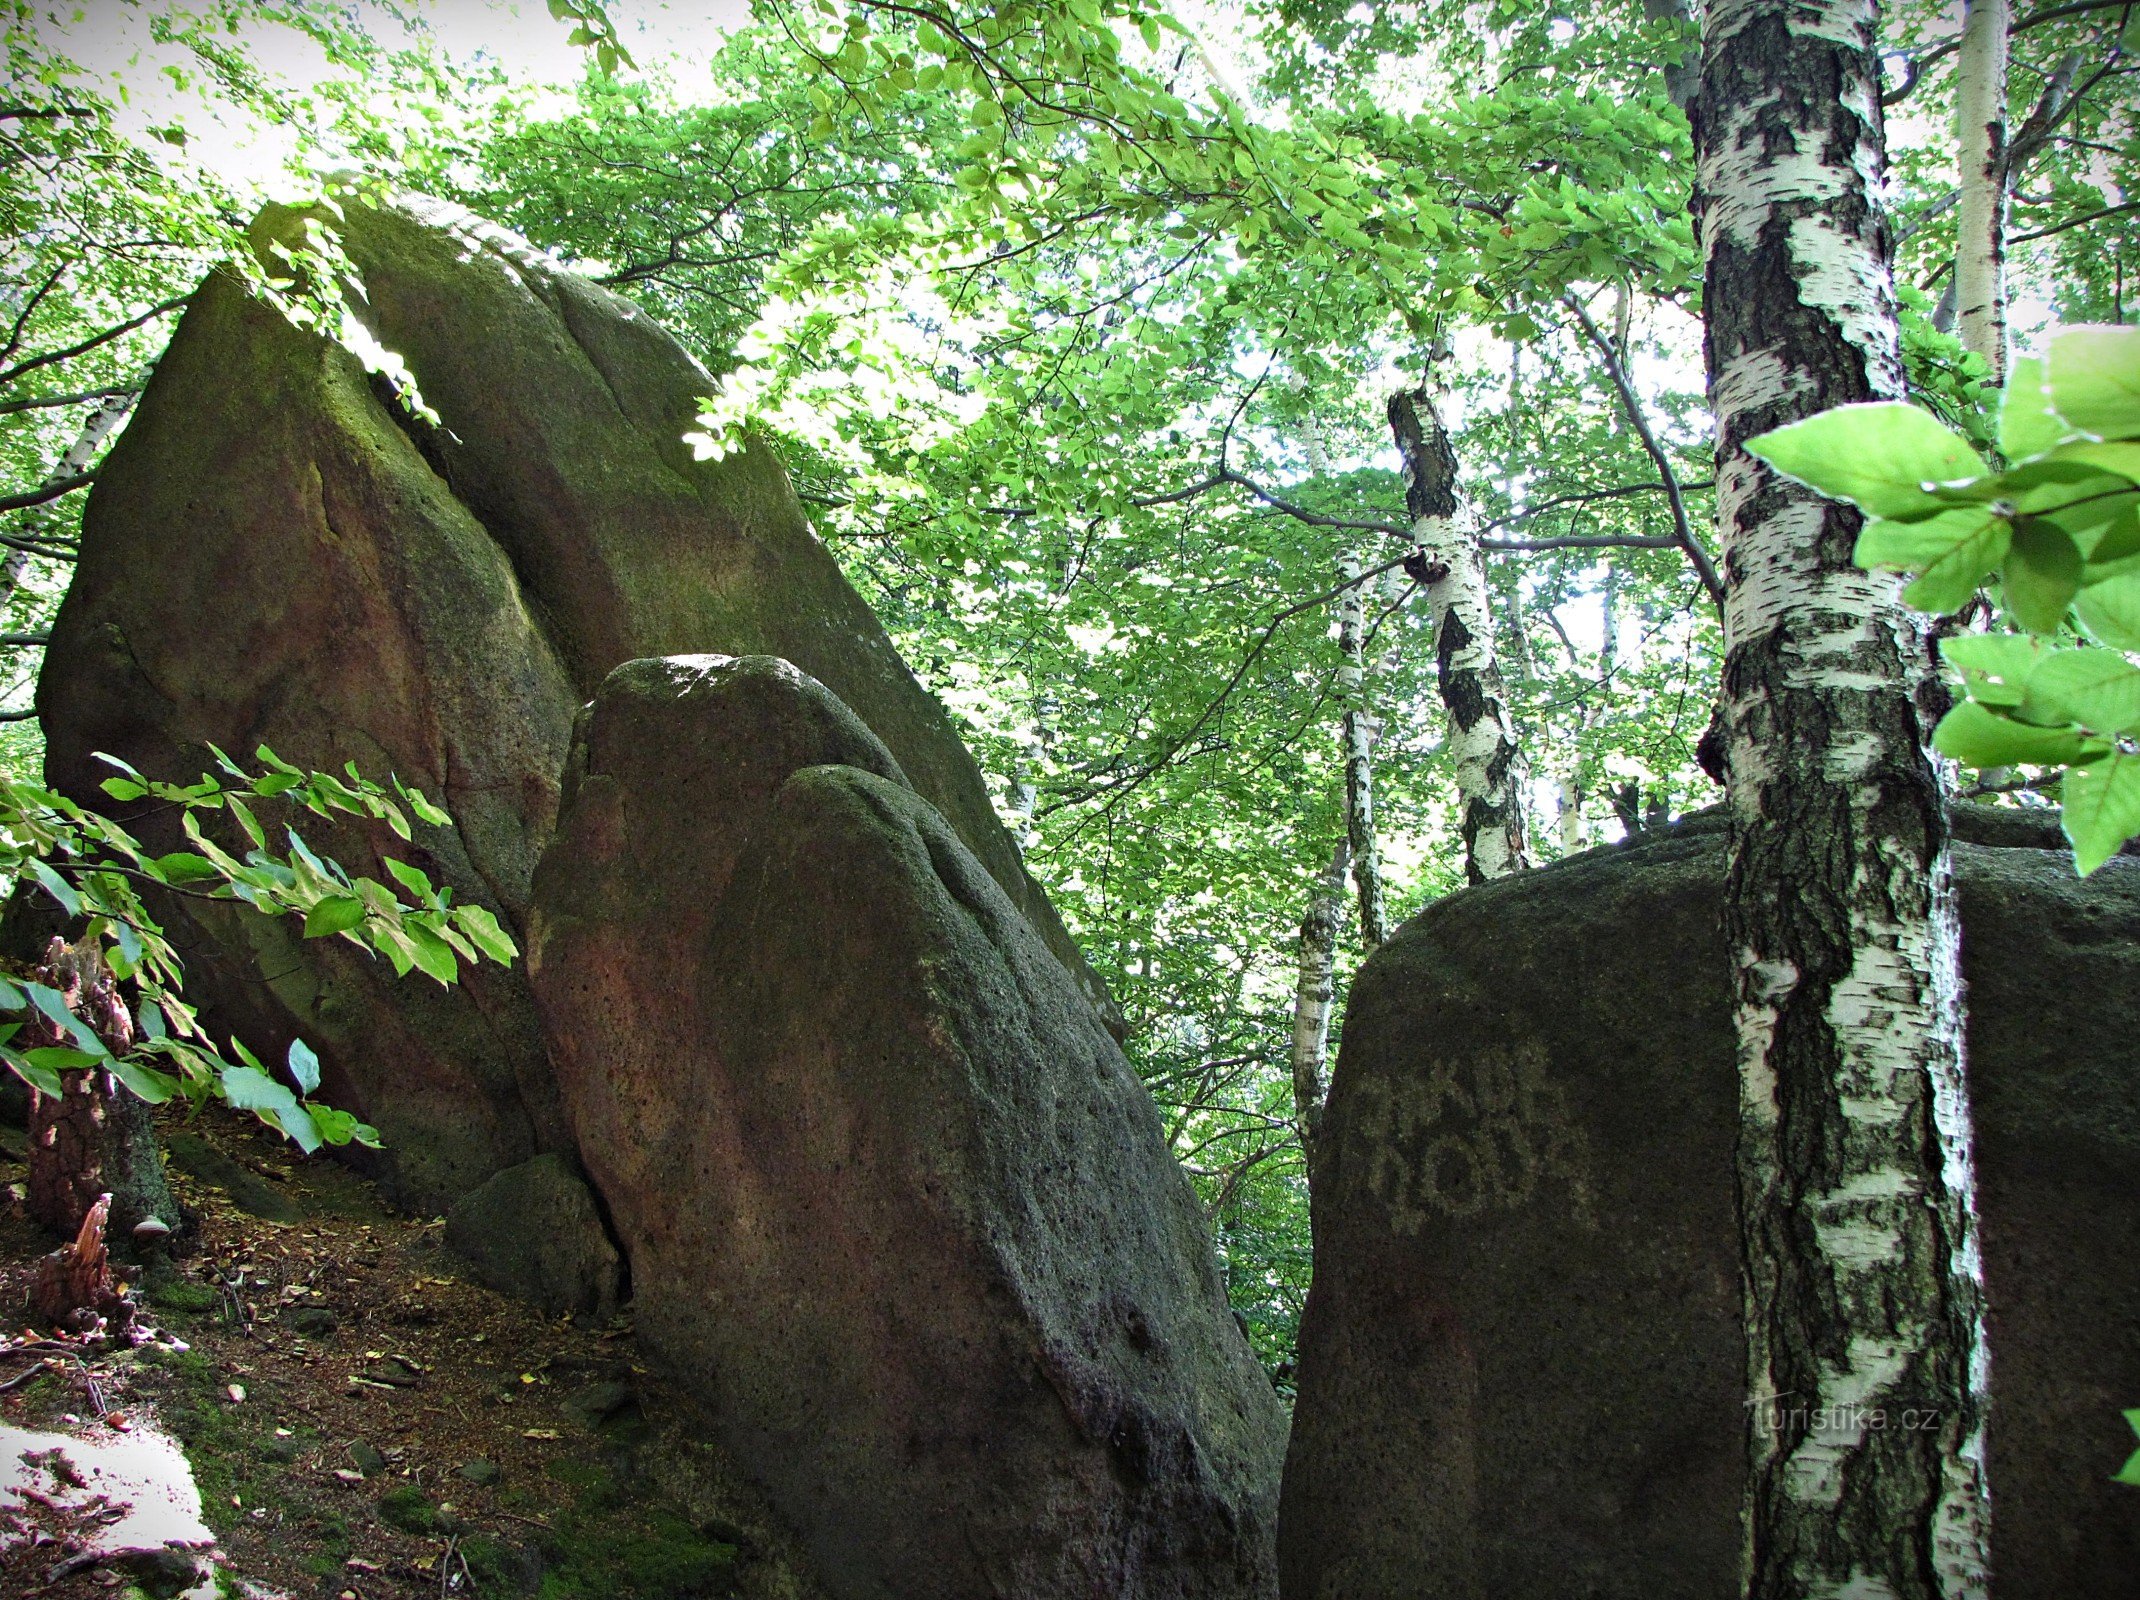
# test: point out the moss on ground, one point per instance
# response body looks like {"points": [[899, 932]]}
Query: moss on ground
{"points": [[612, 1541], [184, 1295]]}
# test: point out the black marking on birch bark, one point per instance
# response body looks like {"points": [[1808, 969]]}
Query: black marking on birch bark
{"points": [[1430, 464], [1812, 862], [1461, 690]]}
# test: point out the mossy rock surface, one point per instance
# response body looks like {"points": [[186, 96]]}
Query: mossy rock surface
{"points": [[1521, 1364], [275, 551], [902, 1221]]}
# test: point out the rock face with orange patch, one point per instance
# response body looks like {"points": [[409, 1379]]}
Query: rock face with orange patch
{"points": [[898, 1213]]}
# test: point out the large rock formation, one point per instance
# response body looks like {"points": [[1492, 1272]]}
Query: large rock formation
{"points": [[898, 1211], [275, 553], [1520, 1366]]}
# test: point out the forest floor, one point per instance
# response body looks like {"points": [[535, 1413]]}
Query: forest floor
{"points": [[361, 1420]]}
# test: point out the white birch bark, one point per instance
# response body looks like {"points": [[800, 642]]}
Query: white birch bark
{"points": [[1857, 1205], [1980, 116], [101, 423], [1481, 741], [1314, 989]]}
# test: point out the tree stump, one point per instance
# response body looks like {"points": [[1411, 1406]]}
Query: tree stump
{"points": [[96, 1137]]}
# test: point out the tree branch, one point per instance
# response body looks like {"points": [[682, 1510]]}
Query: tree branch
{"points": [[48, 491], [1703, 567], [2075, 222], [52, 402], [53, 357]]}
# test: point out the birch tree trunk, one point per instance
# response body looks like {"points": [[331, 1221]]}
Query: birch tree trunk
{"points": [[1863, 1290], [1482, 738], [1980, 112], [1313, 992], [101, 423], [1359, 735]]}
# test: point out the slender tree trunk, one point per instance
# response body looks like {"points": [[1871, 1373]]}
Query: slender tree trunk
{"points": [[1313, 992], [1359, 735], [1980, 254], [97, 427], [1482, 738], [1864, 1301]]}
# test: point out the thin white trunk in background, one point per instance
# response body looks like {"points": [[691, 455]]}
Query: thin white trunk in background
{"points": [[1980, 115], [1359, 733], [1314, 989], [1864, 1295], [98, 426], [1481, 740], [1573, 834]]}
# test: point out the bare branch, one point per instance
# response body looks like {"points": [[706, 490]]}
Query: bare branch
{"points": [[1632, 405], [53, 357], [48, 491], [53, 402], [2076, 222]]}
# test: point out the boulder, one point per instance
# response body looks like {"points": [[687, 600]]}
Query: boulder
{"points": [[534, 1232], [1520, 1366], [277, 551], [900, 1216]]}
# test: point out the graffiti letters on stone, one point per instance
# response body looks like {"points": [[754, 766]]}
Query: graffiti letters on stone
{"points": [[1488, 1132]]}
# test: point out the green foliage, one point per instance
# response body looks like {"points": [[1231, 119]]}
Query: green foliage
{"points": [[2130, 1472], [2058, 527], [97, 871]]}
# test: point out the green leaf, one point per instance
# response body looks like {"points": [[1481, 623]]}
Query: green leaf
{"points": [[183, 866], [431, 954], [491, 939], [1994, 666], [11, 998], [58, 888], [2130, 1472], [1879, 455], [2027, 424], [54, 1005], [147, 1083], [61, 1059], [2099, 689], [2101, 808], [410, 878], [304, 1066], [424, 809], [123, 788], [335, 914], [340, 1127], [2094, 378], [1954, 551], [249, 822], [2041, 574], [1978, 737], [250, 1089], [42, 1079], [2111, 611]]}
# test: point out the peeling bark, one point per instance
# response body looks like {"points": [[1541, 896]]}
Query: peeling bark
{"points": [[1482, 738], [1864, 1298], [95, 1140], [1314, 990], [1980, 114]]}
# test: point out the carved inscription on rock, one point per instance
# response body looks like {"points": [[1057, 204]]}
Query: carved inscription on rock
{"points": [[1488, 1132]]}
